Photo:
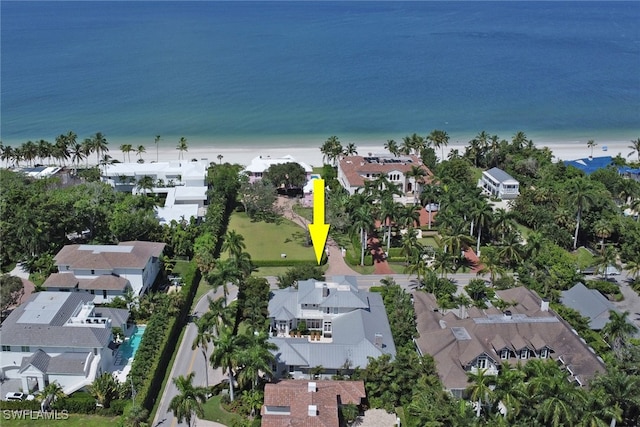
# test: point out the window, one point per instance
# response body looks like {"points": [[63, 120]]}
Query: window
{"points": [[544, 353], [327, 326], [314, 323], [93, 292], [524, 353], [6, 348], [25, 349], [504, 354], [291, 368], [258, 174], [104, 294], [481, 363], [93, 272]]}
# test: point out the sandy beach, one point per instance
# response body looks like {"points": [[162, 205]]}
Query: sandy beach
{"points": [[243, 154]]}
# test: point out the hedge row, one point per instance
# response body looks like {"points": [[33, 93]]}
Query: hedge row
{"points": [[286, 262]]}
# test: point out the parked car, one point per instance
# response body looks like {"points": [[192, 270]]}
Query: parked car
{"points": [[12, 395]]}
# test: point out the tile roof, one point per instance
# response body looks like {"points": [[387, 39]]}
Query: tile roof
{"points": [[528, 326], [354, 167], [295, 396], [107, 257]]}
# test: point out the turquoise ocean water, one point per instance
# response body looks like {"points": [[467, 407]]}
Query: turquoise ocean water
{"points": [[302, 71]]}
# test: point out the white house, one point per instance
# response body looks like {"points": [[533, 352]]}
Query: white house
{"points": [[260, 164], [58, 336], [355, 171], [498, 183], [106, 271], [351, 324], [183, 183]]}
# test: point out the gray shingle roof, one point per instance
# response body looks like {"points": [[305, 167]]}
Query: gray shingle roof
{"points": [[118, 316], [66, 363], [17, 331], [39, 360], [589, 303]]}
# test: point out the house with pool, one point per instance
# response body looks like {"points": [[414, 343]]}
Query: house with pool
{"points": [[59, 336]]}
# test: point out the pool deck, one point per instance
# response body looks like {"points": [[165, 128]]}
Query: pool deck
{"points": [[119, 369]]}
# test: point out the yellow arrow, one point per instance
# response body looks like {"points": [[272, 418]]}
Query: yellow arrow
{"points": [[318, 230]]}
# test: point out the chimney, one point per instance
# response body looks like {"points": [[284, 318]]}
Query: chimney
{"points": [[544, 304], [312, 410], [312, 387], [325, 291], [377, 341]]}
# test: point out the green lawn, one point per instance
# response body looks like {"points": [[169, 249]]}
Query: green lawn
{"points": [[429, 241], [213, 412], [583, 258], [266, 241], [74, 420]]}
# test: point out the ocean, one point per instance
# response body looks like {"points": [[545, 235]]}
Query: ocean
{"points": [[298, 72]]}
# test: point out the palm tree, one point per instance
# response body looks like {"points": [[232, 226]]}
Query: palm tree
{"points": [[618, 329], [510, 390], [350, 150], [100, 145], [608, 257], [591, 144], [635, 147], [480, 390], [392, 147], [87, 149], [104, 389], [331, 150], [226, 272], [52, 392], [233, 243], [482, 216], [202, 340], [44, 150], [29, 151], [443, 261], [388, 211], [491, 264], [76, 154], [182, 147], [220, 156], [511, 250], [157, 140], [105, 161], [603, 230], [139, 151], [145, 184], [226, 352], [362, 223], [126, 149], [416, 173], [439, 139], [618, 391], [256, 358], [503, 221], [520, 140], [581, 195], [188, 402]]}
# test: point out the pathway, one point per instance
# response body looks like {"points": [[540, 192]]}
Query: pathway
{"points": [[336, 262], [380, 264]]}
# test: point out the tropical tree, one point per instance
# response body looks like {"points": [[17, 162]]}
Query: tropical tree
{"points": [[618, 391], [100, 145], [491, 263], [582, 196], [189, 400], [182, 147], [226, 272], [618, 330], [603, 230], [350, 150], [145, 184], [227, 349], [202, 340], [439, 139], [255, 358], [233, 243], [104, 389], [362, 223], [219, 157], [591, 144], [126, 149], [156, 141], [482, 217], [105, 161], [417, 174], [510, 391], [392, 147], [635, 147], [87, 149], [331, 150], [139, 151], [52, 392], [481, 388]]}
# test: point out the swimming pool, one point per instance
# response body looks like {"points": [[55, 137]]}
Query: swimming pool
{"points": [[129, 347]]}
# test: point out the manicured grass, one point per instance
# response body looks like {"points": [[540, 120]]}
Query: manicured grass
{"points": [[277, 271], [304, 212], [398, 268], [524, 231], [74, 420], [584, 258], [213, 412], [266, 241], [429, 241]]}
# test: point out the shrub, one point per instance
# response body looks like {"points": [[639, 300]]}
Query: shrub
{"points": [[19, 405]]}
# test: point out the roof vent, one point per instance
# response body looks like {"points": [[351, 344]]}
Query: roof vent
{"points": [[312, 411], [507, 314], [312, 387], [544, 305], [377, 340]]}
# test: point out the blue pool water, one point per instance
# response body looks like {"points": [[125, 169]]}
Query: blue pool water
{"points": [[129, 347]]}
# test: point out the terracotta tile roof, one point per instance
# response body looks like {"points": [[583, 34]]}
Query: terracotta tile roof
{"points": [[529, 326], [295, 395], [354, 167], [108, 257]]}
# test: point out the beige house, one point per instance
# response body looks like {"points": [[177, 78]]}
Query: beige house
{"points": [[355, 171], [465, 340]]}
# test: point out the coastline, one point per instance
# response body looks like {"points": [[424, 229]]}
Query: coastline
{"points": [[243, 153]]}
